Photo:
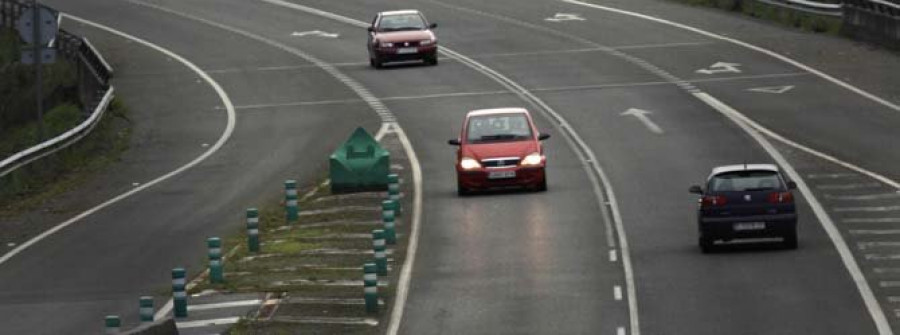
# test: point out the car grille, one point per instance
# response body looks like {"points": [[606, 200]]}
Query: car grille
{"points": [[500, 162], [406, 44]]}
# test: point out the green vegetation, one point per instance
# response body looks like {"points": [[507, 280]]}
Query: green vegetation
{"points": [[797, 19]]}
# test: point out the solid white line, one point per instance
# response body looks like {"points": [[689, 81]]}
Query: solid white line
{"points": [[406, 271], [837, 239], [617, 292], [226, 134], [207, 323], [229, 304]]}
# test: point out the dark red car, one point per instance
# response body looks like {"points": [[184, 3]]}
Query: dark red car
{"points": [[500, 148], [402, 35]]}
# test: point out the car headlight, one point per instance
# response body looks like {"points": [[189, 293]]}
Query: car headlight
{"points": [[533, 159], [427, 42], [386, 45], [468, 164]]}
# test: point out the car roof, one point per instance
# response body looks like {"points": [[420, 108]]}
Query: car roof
{"points": [[743, 167], [399, 12], [506, 110]]}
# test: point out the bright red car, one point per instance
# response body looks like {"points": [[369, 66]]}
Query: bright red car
{"points": [[500, 148], [401, 35]]}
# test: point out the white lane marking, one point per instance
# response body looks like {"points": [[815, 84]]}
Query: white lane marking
{"points": [[863, 197], [328, 320], [772, 89], [872, 220], [620, 331], [662, 83], [868, 209], [613, 257], [893, 300], [207, 323], [853, 186], [875, 231], [889, 284], [572, 138], [883, 271], [226, 134], [229, 304], [406, 271], [560, 17], [876, 245], [642, 116], [721, 67], [617, 293], [831, 175], [828, 225], [318, 33]]}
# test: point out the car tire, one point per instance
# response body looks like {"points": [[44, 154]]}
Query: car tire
{"points": [[542, 186], [376, 62], [462, 191], [790, 241], [431, 60], [706, 244]]}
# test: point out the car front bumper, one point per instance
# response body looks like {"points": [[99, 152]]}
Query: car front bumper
{"points": [[728, 228], [480, 179], [392, 55]]}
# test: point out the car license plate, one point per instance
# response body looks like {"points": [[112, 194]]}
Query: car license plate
{"points": [[749, 226], [502, 174], [407, 50]]}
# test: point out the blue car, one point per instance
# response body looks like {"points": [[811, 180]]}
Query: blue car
{"points": [[746, 201]]}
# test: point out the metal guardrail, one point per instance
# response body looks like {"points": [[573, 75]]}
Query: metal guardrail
{"points": [[807, 6], [94, 89]]}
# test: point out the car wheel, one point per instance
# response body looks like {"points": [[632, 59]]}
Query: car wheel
{"points": [[790, 240], [376, 62], [706, 244]]}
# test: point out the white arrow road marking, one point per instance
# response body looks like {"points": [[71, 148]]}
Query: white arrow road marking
{"points": [[721, 67], [314, 33], [559, 17], [772, 89], [641, 115]]}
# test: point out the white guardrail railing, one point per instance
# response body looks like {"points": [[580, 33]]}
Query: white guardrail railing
{"points": [[812, 7]]}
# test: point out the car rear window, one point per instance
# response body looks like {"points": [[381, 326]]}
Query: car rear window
{"points": [[401, 22], [743, 181], [499, 127]]}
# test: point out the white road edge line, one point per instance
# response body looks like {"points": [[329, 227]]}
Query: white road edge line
{"points": [[578, 145], [207, 323], [226, 134], [837, 239], [227, 304]]}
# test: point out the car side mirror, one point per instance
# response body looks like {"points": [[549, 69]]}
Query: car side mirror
{"points": [[791, 185], [432, 26], [453, 142], [543, 136], [696, 189], [371, 29]]}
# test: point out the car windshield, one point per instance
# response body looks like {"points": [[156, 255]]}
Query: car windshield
{"points": [[743, 181], [500, 127], [401, 22]]}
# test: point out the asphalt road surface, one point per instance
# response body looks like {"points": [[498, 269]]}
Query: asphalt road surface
{"points": [[500, 263]]}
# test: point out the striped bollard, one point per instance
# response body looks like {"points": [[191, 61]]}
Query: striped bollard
{"points": [[113, 324], [216, 272], [253, 229], [370, 287], [146, 309], [290, 201], [179, 296], [394, 191], [390, 228], [380, 255]]}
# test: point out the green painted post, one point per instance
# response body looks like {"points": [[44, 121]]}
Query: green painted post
{"points": [[252, 229], [387, 208], [113, 324], [380, 255], [216, 271], [146, 309], [179, 296], [290, 201], [370, 287], [394, 192], [390, 230]]}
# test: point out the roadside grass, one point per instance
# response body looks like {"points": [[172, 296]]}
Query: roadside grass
{"points": [[784, 16], [30, 186]]}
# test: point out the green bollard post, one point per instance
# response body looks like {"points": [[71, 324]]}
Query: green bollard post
{"points": [[113, 324], [146, 309], [380, 254], [252, 229], [370, 287], [394, 192], [179, 296], [390, 228], [216, 271], [290, 201]]}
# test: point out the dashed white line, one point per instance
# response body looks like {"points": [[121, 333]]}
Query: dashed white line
{"points": [[852, 186], [872, 220], [882, 257], [875, 231], [889, 284], [868, 209], [207, 323], [620, 331], [617, 293], [613, 255], [864, 197], [228, 304], [886, 271], [877, 244], [831, 175]]}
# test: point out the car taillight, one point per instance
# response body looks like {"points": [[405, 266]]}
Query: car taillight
{"points": [[713, 200], [781, 197]]}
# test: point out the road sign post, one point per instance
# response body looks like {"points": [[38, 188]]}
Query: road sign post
{"points": [[37, 27]]}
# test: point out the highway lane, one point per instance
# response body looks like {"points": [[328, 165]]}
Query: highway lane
{"points": [[664, 264], [101, 265]]}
